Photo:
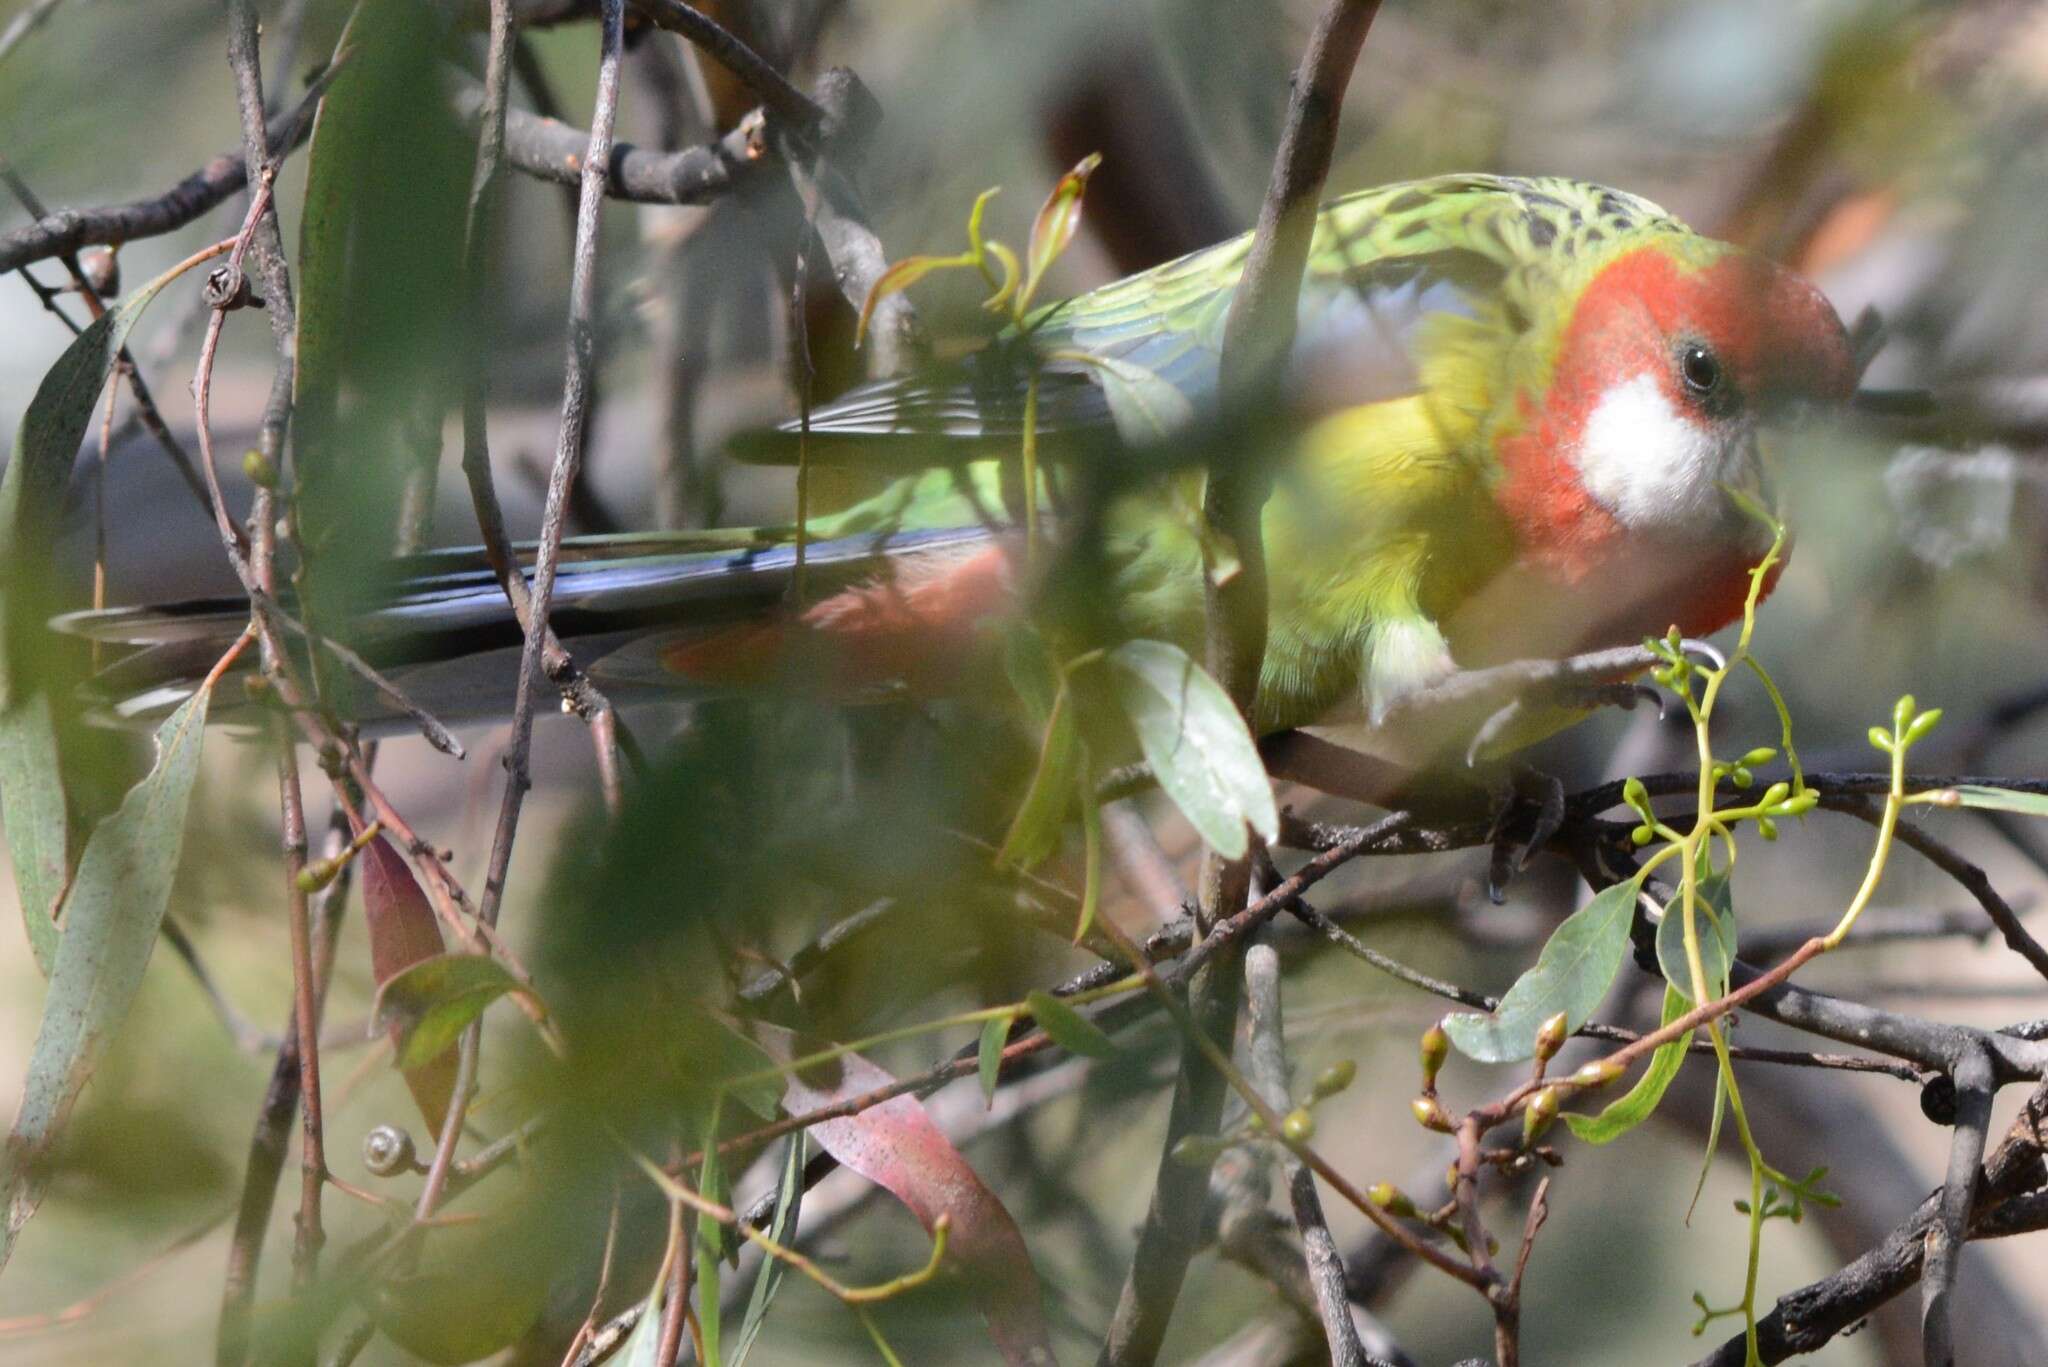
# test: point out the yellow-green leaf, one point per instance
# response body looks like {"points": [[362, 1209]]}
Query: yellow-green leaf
{"points": [[900, 277], [1640, 1102], [1069, 1029], [1571, 975], [431, 1003], [1058, 219], [1196, 743]]}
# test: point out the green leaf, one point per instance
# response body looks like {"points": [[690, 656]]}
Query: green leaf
{"points": [[1196, 743], [1713, 1141], [788, 1202], [2000, 799], [711, 1240], [1036, 828], [1640, 1103], [430, 1004], [32, 810], [1028, 662], [988, 1056], [1069, 1029], [1058, 220], [31, 512], [1144, 407], [1571, 975], [111, 917], [644, 1348], [1716, 931]]}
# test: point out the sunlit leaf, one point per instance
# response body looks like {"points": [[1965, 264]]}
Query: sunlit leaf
{"points": [[1058, 219], [789, 1196], [1196, 743], [111, 916], [1987, 798], [900, 276], [1069, 1029], [1640, 1102], [1571, 975], [896, 1146], [1144, 407], [1716, 932], [432, 1002], [31, 512]]}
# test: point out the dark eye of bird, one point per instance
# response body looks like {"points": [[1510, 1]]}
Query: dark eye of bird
{"points": [[1699, 368]]}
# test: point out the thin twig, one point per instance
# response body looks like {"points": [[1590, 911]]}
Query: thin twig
{"points": [[728, 51], [1974, 1086], [569, 447], [1266, 1060]]}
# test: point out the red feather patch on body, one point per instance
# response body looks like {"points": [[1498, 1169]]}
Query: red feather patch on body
{"points": [[920, 628]]}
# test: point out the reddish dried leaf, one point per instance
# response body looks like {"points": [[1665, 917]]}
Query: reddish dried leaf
{"points": [[404, 931], [897, 1147]]}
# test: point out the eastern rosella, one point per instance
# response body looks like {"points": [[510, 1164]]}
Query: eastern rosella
{"points": [[1522, 403]]}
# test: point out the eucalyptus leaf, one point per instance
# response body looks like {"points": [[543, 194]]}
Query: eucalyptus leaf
{"points": [[1716, 931], [1069, 1029], [31, 513], [988, 1058], [1572, 975], [1196, 744], [112, 913], [431, 1003], [1035, 830], [789, 1196], [1987, 798], [1640, 1103]]}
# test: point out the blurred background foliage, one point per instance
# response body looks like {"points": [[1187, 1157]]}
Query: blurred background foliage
{"points": [[1892, 150]]}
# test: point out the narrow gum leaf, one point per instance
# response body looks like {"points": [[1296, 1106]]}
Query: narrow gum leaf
{"points": [[988, 1062], [1640, 1102], [111, 915], [899, 277], [1068, 1028], [431, 1003]]}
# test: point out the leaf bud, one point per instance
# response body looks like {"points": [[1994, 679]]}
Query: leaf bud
{"points": [[1430, 1114], [1335, 1078], [1776, 793], [1436, 1047], [1598, 1073], [1392, 1199], [1551, 1035], [1451, 1177], [258, 468], [1299, 1127], [387, 1151], [1922, 724], [1538, 1115]]}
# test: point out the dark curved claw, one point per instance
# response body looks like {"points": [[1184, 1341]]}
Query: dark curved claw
{"points": [[1541, 797]]}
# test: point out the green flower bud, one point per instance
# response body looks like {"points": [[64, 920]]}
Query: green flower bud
{"points": [[1430, 1114], [1641, 835], [1776, 793], [1392, 1199], [1636, 795], [1598, 1073], [1550, 1037], [1742, 777], [1799, 803], [1299, 1127], [1767, 828], [1881, 738], [1538, 1115], [1335, 1078], [1436, 1047], [1902, 711], [1763, 754], [1922, 724]]}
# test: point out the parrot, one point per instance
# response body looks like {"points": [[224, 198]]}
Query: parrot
{"points": [[1522, 416]]}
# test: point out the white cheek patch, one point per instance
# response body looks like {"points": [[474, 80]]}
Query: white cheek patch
{"points": [[1650, 464]]}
